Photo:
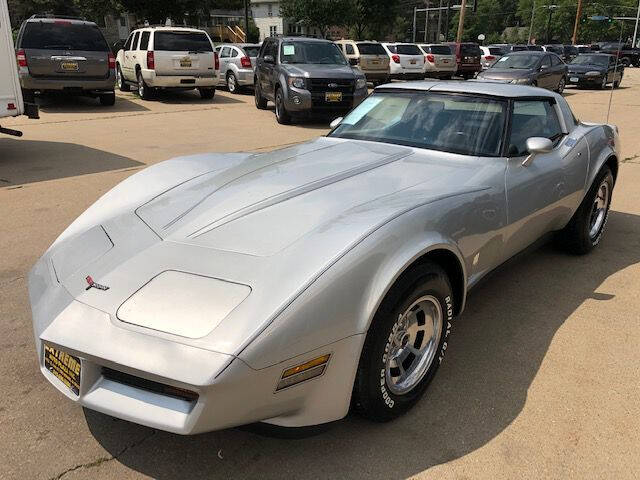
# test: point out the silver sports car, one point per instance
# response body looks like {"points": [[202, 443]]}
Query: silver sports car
{"points": [[286, 287]]}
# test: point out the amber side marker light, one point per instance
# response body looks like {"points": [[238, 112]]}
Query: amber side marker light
{"points": [[306, 371]]}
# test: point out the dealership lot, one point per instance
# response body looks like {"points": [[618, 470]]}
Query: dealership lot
{"points": [[542, 379]]}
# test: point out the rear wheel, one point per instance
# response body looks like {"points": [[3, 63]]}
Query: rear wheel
{"points": [[616, 83], [122, 85], [144, 91], [561, 85], [232, 83], [282, 115], [108, 99], [586, 227], [405, 343], [625, 61], [261, 102], [28, 96], [207, 93]]}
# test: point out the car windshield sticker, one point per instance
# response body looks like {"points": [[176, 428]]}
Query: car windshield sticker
{"points": [[289, 50]]}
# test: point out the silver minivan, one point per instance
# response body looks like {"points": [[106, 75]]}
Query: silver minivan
{"points": [[237, 62]]}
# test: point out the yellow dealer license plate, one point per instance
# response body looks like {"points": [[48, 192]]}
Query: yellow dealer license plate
{"points": [[185, 62], [333, 96], [69, 66], [65, 367]]}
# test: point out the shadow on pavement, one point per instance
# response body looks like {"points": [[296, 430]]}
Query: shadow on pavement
{"points": [[192, 97], [28, 161], [79, 104], [496, 349]]}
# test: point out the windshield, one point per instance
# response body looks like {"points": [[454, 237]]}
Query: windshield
{"points": [[324, 53], [440, 50], [496, 51], [63, 36], [523, 62], [251, 51], [462, 124], [404, 49], [590, 60], [371, 49], [182, 42]]}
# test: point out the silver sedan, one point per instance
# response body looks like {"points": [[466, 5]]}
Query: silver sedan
{"points": [[223, 289]]}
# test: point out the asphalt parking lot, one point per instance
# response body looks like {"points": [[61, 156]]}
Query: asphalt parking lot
{"points": [[542, 379]]}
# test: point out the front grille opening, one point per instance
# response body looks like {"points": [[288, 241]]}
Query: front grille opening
{"points": [[149, 385]]}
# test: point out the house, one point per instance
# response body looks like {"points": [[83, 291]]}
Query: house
{"points": [[266, 15]]}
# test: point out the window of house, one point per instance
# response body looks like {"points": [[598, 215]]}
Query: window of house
{"points": [[269, 9], [273, 30], [123, 21]]}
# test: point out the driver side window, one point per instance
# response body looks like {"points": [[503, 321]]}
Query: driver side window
{"points": [[532, 118]]}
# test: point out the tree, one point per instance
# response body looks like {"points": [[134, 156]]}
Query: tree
{"points": [[373, 19], [320, 14]]}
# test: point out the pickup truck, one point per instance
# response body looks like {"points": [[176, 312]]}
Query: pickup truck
{"points": [[11, 102]]}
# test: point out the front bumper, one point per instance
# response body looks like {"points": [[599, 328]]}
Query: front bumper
{"points": [[582, 80], [298, 101], [179, 81], [229, 392], [50, 84]]}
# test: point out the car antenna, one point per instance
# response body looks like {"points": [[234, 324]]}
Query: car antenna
{"points": [[615, 69]]}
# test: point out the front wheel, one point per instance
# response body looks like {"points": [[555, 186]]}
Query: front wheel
{"points": [[282, 116], [616, 84], [122, 85], [603, 84], [405, 344], [584, 231], [144, 91]]}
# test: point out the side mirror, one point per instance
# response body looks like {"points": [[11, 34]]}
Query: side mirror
{"points": [[353, 62], [335, 122], [269, 59], [535, 146], [543, 67]]}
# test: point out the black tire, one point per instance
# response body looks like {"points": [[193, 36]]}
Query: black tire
{"points": [[261, 102], [561, 84], [372, 396], [232, 83], [123, 86], [625, 61], [108, 99], [207, 93], [577, 237], [603, 84], [616, 84], [144, 91], [282, 116], [28, 96]]}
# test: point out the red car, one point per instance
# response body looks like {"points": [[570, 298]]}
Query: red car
{"points": [[468, 58]]}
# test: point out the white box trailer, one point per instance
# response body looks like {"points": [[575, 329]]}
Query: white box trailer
{"points": [[11, 102]]}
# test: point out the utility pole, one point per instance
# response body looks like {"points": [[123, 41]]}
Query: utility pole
{"points": [[463, 7], [551, 9], [440, 21], [415, 12], [246, 21], [574, 39], [426, 22], [446, 22]]}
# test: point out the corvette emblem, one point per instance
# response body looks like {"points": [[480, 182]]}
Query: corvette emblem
{"points": [[93, 284]]}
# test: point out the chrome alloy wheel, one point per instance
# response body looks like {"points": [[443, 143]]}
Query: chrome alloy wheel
{"points": [[599, 210], [414, 345], [119, 78]]}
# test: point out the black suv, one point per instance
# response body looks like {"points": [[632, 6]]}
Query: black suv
{"points": [[306, 76], [67, 55]]}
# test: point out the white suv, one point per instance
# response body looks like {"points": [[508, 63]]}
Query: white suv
{"points": [[167, 57]]}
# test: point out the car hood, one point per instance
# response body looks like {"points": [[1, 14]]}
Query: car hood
{"points": [[243, 220], [583, 68], [505, 74], [312, 70]]}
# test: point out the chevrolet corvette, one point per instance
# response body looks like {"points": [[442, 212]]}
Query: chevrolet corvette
{"points": [[289, 287]]}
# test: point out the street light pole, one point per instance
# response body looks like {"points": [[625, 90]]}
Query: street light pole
{"points": [[551, 9], [635, 31], [533, 11], [574, 39]]}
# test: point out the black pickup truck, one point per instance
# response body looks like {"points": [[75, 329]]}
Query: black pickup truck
{"points": [[627, 54]]}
